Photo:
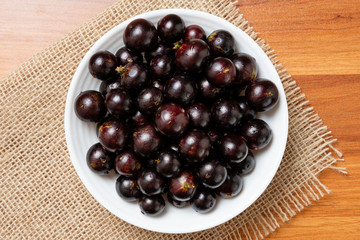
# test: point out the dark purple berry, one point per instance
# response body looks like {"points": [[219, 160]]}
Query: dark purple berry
{"points": [[102, 65], [199, 115], [127, 163], [207, 91], [180, 89], [90, 106], [194, 31], [195, 146], [151, 205], [149, 99], [233, 148], [212, 173], [246, 68], [170, 28], [150, 182], [171, 120], [99, 160], [162, 66], [146, 141], [192, 56], [125, 56], [168, 163], [119, 103], [232, 185], [257, 133], [204, 200], [221, 72], [262, 95], [183, 186], [127, 188], [113, 135], [140, 36], [221, 43], [246, 166], [226, 113], [134, 76]]}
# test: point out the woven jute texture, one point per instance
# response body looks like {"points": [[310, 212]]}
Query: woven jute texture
{"points": [[43, 198]]}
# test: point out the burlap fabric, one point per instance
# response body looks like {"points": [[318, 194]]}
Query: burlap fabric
{"points": [[43, 198]]}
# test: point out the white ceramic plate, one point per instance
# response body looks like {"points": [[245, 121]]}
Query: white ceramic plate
{"points": [[80, 136]]}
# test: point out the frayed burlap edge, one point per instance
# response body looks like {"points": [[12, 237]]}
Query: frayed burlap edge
{"points": [[25, 212]]}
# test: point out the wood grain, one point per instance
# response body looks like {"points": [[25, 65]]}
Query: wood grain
{"points": [[317, 41]]}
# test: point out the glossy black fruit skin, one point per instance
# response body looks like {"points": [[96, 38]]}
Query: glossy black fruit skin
{"points": [[176, 203], [194, 31], [208, 91], [149, 99], [134, 76], [127, 188], [192, 56], [173, 145], [162, 66], [106, 87], [232, 185], [159, 85], [151, 205], [257, 133], [226, 113], [221, 43], [170, 28], [195, 146], [139, 119], [127, 163], [113, 135], [180, 89], [212, 173], [102, 65], [247, 112], [140, 36], [221, 72], [161, 49], [90, 106], [233, 148], [246, 68], [246, 166], [199, 115], [203, 201], [146, 140], [105, 119], [262, 95], [119, 103], [125, 56], [99, 160], [183, 186], [171, 120], [150, 182], [168, 163]]}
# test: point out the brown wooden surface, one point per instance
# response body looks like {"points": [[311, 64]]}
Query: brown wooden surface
{"points": [[317, 41]]}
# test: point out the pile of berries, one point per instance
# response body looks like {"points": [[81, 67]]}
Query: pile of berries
{"points": [[176, 115]]}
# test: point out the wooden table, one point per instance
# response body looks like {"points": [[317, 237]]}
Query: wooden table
{"points": [[317, 41]]}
